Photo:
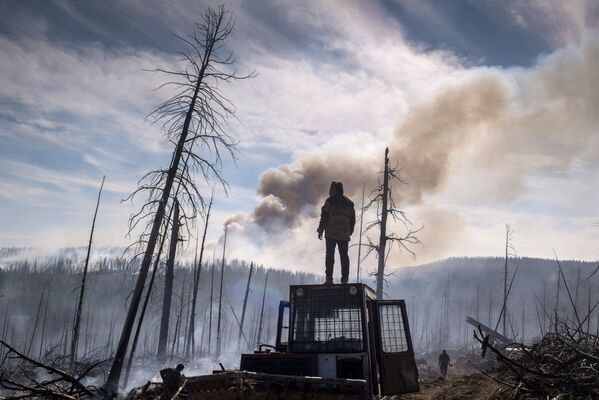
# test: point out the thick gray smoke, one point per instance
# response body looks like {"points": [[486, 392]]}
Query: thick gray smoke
{"points": [[483, 135]]}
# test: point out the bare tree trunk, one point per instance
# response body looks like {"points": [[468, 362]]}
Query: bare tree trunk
{"points": [[42, 339], [66, 334], [37, 316], [187, 316], [220, 297], [523, 320], [477, 304], [380, 274], [358, 277], [245, 300], [5, 326], [544, 306], [556, 310], [196, 285], [262, 310], [210, 311], [143, 313], [577, 286], [504, 310], [178, 323], [202, 337], [589, 310], [75, 336], [109, 340], [111, 385], [168, 286]]}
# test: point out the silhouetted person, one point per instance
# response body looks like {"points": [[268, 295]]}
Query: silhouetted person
{"points": [[444, 363], [337, 220], [172, 379]]}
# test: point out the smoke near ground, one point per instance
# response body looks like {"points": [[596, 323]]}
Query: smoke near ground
{"points": [[477, 140], [438, 296]]}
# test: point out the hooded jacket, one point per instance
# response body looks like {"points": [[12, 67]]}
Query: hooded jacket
{"points": [[337, 218]]}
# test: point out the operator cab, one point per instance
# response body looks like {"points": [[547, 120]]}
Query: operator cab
{"points": [[342, 331]]}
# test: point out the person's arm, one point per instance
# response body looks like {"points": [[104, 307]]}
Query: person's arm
{"points": [[352, 220], [324, 218]]}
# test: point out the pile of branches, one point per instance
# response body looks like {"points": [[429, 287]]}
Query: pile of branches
{"points": [[563, 365], [22, 377]]}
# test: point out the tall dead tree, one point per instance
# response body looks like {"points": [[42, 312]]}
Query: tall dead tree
{"points": [[220, 297], [43, 337], [262, 310], [358, 276], [190, 348], [383, 199], [509, 251], [245, 301], [196, 114], [169, 278], [211, 305], [77, 322], [37, 316]]}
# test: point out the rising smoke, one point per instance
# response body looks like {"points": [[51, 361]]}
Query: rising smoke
{"points": [[481, 135]]}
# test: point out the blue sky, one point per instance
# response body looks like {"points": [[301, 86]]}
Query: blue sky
{"points": [[488, 104]]}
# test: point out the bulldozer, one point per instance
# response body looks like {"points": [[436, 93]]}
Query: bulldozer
{"points": [[332, 342]]}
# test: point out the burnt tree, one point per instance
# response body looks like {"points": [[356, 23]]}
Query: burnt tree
{"points": [[386, 206], [194, 117], [169, 278]]}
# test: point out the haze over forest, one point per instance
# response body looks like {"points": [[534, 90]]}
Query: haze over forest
{"points": [[207, 137]]}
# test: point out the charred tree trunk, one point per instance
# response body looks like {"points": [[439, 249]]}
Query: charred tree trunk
{"points": [[196, 284], [245, 301], [504, 310], [262, 311], [168, 286], [176, 335], [380, 274], [210, 310], [43, 337], [76, 325], [111, 385], [143, 312], [220, 297], [37, 316], [358, 276]]}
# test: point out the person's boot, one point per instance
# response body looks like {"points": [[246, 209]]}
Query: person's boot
{"points": [[343, 280], [328, 280]]}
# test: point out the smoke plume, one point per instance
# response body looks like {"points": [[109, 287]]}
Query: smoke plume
{"points": [[481, 136]]}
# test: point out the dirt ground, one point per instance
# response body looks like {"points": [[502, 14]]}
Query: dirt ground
{"points": [[465, 387]]}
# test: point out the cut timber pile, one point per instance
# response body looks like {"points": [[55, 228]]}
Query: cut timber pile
{"points": [[563, 365]]}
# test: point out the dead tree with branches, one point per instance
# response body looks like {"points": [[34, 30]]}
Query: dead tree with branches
{"points": [[386, 206], [194, 121]]}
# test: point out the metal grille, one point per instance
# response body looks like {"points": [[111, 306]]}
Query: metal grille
{"points": [[327, 321], [393, 333]]}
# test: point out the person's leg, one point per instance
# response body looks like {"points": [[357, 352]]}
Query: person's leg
{"points": [[343, 248], [329, 260]]}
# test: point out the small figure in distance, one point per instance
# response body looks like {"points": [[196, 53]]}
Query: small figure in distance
{"points": [[444, 363], [337, 220], [172, 380]]}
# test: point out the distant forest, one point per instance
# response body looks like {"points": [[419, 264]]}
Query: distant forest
{"points": [[38, 298]]}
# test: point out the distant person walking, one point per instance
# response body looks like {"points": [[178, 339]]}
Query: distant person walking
{"points": [[444, 363], [337, 220]]}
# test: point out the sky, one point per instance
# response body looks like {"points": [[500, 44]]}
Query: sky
{"points": [[488, 107]]}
